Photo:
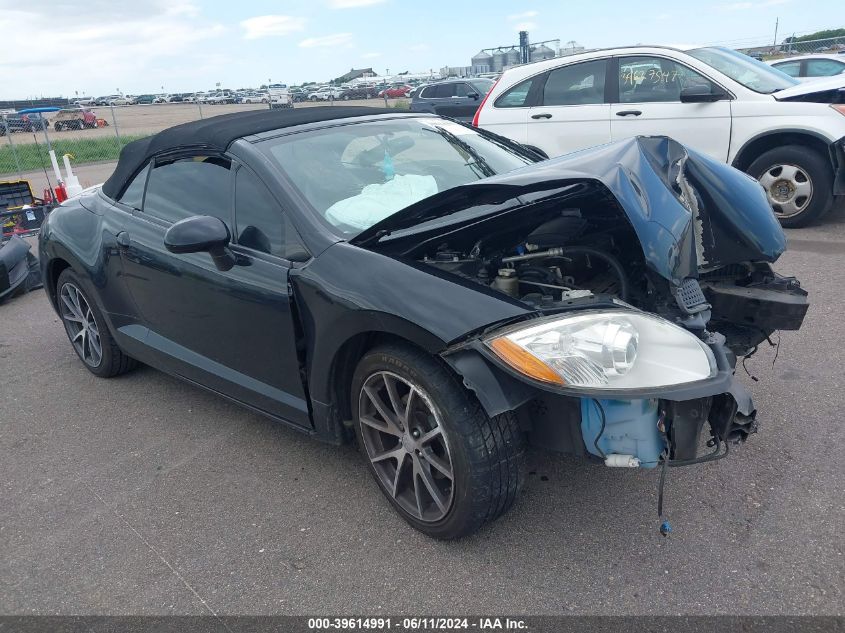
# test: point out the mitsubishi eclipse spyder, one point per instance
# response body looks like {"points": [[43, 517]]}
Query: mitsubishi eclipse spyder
{"points": [[436, 293]]}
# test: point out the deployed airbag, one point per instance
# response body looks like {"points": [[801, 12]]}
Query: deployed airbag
{"points": [[378, 201]]}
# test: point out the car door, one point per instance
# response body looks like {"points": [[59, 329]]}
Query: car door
{"points": [[571, 111], [231, 331], [648, 102], [452, 100]]}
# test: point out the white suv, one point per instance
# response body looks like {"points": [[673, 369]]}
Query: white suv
{"points": [[790, 136]]}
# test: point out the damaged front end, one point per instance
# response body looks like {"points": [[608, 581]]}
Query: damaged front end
{"points": [[636, 230]]}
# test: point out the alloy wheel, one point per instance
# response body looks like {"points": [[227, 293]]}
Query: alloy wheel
{"points": [[788, 188], [80, 324], [404, 440]]}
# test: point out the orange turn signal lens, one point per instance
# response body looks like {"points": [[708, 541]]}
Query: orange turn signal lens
{"points": [[524, 362], [839, 107]]}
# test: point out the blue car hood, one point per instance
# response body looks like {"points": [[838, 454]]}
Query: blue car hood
{"points": [[691, 213]]}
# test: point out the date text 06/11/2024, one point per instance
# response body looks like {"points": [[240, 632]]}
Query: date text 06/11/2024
{"points": [[417, 624]]}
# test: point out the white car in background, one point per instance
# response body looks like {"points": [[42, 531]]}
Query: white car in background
{"points": [[255, 97], [325, 93], [810, 67], [790, 136]]}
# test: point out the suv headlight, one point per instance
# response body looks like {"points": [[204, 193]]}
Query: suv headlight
{"points": [[617, 349]]}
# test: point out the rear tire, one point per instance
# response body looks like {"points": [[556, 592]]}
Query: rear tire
{"points": [[798, 182], [485, 456], [87, 330]]}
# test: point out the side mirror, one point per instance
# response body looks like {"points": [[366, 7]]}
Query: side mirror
{"points": [[701, 94], [473, 95], [201, 233]]}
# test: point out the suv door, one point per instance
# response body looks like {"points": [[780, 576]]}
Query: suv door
{"points": [[437, 97], [230, 331], [648, 102], [453, 100], [571, 110]]}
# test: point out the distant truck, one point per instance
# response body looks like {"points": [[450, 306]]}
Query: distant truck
{"points": [[74, 119], [279, 96]]}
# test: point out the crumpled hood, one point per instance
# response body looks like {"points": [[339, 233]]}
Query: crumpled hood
{"points": [[835, 83], [690, 212]]}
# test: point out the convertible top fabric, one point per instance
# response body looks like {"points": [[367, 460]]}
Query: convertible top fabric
{"points": [[218, 133]]}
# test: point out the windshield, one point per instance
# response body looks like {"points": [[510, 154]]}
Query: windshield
{"points": [[751, 73], [357, 175]]}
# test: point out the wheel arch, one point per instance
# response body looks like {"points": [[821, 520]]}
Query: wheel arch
{"points": [[757, 145], [330, 379]]}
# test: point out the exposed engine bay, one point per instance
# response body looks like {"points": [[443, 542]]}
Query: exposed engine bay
{"points": [[548, 268], [572, 254]]}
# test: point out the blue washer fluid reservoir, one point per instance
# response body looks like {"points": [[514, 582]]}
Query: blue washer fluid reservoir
{"points": [[630, 429]]}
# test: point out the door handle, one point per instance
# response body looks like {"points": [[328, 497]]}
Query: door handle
{"points": [[629, 113], [123, 239], [544, 115]]}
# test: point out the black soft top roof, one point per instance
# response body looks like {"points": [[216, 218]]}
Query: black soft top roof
{"points": [[217, 133]]}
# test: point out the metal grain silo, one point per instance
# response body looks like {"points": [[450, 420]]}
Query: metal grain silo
{"points": [[482, 62], [500, 58], [541, 52]]}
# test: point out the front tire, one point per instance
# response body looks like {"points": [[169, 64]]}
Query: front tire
{"points": [[444, 466], [87, 330], [798, 182]]}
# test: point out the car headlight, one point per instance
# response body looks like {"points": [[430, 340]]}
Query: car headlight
{"points": [[616, 349]]}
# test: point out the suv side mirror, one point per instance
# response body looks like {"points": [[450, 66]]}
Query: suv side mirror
{"points": [[473, 95], [201, 233], [702, 94]]}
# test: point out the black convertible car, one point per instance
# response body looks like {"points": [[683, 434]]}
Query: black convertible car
{"points": [[435, 291]]}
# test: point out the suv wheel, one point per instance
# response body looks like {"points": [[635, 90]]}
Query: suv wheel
{"points": [[443, 465], [798, 183]]}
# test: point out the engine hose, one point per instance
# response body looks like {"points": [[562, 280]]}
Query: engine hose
{"points": [[611, 261]]}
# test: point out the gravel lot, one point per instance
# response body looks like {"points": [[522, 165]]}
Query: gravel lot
{"points": [[145, 495]]}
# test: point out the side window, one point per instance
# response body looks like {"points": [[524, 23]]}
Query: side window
{"points": [[462, 90], [824, 67], [444, 91], [261, 223], [427, 92], [517, 96], [133, 195], [793, 69], [655, 79], [199, 185], [576, 84]]}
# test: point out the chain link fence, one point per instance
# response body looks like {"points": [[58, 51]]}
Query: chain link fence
{"points": [[793, 47], [94, 135]]}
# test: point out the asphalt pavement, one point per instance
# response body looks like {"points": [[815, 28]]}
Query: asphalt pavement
{"points": [[144, 495]]}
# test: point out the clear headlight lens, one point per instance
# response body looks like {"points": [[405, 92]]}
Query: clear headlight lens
{"points": [[616, 349]]}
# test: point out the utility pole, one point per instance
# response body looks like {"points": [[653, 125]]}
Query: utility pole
{"points": [[776, 33]]}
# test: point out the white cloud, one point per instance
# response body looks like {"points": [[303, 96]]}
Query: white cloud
{"points": [[271, 26], [145, 43], [523, 16], [370, 55], [352, 4], [336, 39], [525, 26]]}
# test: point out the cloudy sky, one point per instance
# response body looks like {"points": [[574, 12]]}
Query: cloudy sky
{"points": [[92, 47]]}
